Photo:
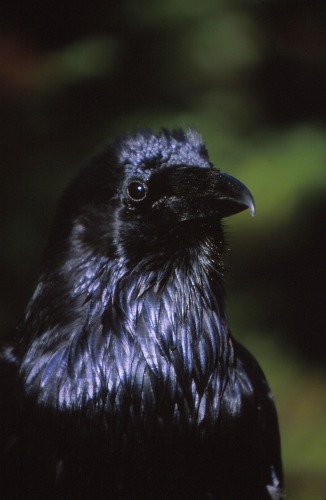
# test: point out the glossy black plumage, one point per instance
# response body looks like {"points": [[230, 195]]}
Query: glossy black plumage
{"points": [[122, 379]]}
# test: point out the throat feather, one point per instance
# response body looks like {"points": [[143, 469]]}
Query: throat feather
{"points": [[157, 345]]}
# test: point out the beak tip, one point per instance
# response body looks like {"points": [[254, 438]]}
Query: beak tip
{"points": [[237, 194], [249, 201]]}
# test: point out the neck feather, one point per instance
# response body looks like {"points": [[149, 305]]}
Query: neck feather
{"points": [[125, 338]]}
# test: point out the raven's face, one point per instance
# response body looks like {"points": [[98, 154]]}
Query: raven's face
{"points": [[152, 194], [171, 194]]}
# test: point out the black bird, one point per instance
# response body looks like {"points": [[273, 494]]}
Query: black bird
{"points": [[122, 381]]}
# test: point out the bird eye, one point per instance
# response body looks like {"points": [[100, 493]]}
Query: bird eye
{"points": [[137, 191]]}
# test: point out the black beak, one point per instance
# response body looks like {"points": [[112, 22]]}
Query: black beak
{"points": [[194, 193], [233, 196]]}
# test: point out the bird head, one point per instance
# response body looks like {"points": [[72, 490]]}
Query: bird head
{"points": [[149, 193]]}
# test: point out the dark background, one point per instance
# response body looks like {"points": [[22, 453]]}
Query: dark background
{"points": [[251, 77]]}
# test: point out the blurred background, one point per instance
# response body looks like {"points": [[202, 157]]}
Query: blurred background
{"points": [[251, 77]]}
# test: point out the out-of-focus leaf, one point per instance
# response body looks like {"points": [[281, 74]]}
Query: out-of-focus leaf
{"points": [[87, 58]]}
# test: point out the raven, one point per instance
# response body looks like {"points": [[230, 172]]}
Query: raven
{"points": [[122, 380]]}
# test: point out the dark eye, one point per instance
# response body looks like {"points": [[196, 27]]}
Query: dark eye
{"points": [[137, 191]]}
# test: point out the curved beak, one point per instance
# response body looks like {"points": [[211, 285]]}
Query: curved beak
{"points": [[234, 196], [194, 193]]}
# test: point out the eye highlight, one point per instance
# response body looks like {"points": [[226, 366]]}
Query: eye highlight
{"points": [[137, 191]]}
